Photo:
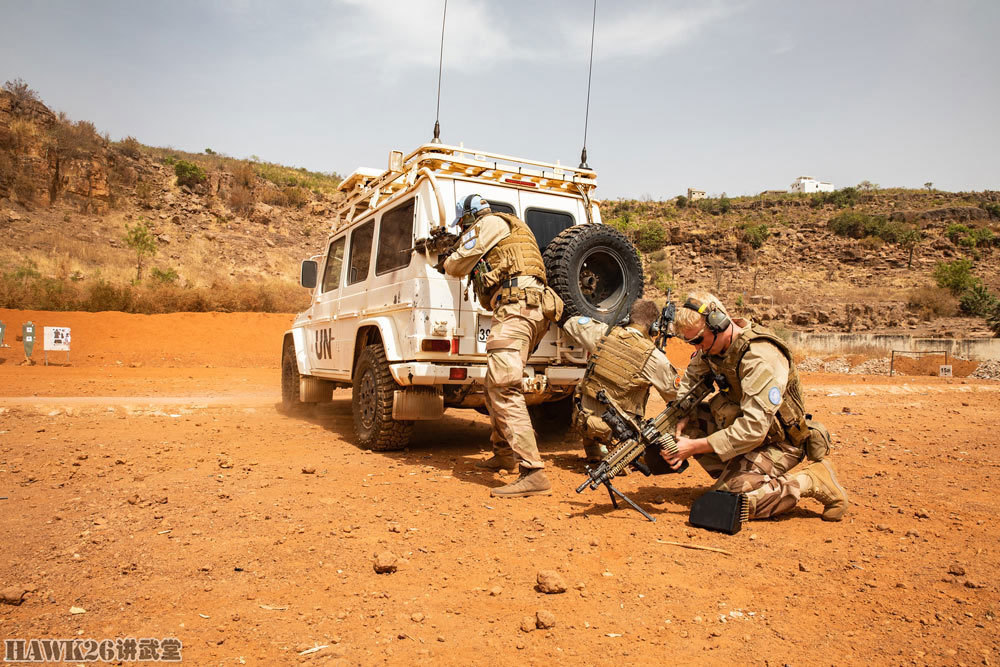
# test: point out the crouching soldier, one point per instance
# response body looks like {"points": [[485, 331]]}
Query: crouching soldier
{"points": [[625, 363]]}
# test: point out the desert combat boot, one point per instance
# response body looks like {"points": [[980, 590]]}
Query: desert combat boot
{"points": [[824, 487], [498, 462], [532, 482]]}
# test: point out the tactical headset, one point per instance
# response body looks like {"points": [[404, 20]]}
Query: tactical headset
{"points": [[716, 319], [470, 206]]}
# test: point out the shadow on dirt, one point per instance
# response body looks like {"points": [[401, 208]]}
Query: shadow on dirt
{"points": [[451, 444], [655, 500]]}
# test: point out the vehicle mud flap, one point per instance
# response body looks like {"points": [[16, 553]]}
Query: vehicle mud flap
{"points": [[417, 403]]}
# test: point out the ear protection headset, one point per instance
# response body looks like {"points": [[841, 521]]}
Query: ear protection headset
{"points": [[470, 206], [716, 319]]}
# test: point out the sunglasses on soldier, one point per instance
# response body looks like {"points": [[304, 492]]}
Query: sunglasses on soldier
{"points": [[697, 339]]}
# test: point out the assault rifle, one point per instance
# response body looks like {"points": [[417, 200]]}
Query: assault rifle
{"points": [[438, 242], [631, 438]]}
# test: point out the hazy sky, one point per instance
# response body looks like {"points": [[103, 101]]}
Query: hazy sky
{"points": [[726, 96]]}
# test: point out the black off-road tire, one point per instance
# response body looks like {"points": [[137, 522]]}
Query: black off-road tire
{"points": [[553, 417], [371, 403], [594, 268], [290, 400]]}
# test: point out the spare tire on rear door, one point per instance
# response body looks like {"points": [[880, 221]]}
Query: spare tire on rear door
{"points": [[594, 268]]}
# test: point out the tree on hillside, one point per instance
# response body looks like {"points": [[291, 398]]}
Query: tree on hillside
{"points": [[867, 186], [909, 240], [139, 238], [22, 94], [929, 185]]}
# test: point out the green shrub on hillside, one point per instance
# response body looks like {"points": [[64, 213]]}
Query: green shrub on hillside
{"points": [[858, 225], [970, 237], [993, 320], [755, 235], [992, 209], [979, 238], [682, 202], [977, 301], [650, 236], [188, 173], [955, 232], [955, 276], [168, 277], [719, 206], [622, 223], [843, 198]]}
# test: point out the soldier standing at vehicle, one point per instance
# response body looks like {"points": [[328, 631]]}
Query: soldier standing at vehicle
{"points": [[501, 254], [751, 434], [625, 363]]}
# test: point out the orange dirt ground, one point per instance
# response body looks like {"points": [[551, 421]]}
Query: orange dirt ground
{"points": [[155, 484]]}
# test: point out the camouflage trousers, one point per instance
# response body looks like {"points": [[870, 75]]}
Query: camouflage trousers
{"points": [[517, 329], [762, 474]]}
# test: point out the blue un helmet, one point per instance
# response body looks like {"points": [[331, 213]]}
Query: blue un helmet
{"points": [[468, 209]]}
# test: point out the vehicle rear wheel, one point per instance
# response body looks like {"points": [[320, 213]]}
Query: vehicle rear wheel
{"points": [[289, 378], [552, 417], [595, 269], [371, 403]]}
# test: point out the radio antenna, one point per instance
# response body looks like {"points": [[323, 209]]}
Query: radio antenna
{"points": [[437, 113], [590, 71]]}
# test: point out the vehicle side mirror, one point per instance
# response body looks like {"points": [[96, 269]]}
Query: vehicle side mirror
{"points": [[308, 273]]}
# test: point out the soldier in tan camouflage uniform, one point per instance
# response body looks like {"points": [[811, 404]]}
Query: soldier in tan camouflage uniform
{"points": [[750, 436], [502, 256], [625, 363]]}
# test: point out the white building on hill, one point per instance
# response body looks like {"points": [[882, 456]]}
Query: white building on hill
{"points": [[808, 184]]}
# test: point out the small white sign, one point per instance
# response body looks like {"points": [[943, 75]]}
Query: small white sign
{"points": [[944, 371], [57, 339]]}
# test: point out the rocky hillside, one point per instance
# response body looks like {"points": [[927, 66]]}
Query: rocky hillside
{"points": [[779, 258], [229, 235], [68, 197]]}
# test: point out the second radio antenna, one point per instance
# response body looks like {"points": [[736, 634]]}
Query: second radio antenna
{"points": [[437, 112]]}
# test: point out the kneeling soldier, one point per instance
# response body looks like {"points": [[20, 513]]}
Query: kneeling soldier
{"points": [[751, 435], [625, 363]]}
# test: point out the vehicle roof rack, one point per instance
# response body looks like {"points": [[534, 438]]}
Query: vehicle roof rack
{"points": [[370, 189]]}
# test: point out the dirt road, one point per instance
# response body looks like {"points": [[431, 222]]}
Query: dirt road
{"points": [[155, 485]]}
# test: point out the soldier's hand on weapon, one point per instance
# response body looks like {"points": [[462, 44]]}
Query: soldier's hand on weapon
{"points": [[442, 240], [681, 425], [686, 448]]}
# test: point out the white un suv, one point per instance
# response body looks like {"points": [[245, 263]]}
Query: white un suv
{"points": [[410, 342]]}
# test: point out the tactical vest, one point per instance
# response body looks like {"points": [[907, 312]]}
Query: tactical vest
{"points": [[515, 255], [616, 367], [791, 417]]}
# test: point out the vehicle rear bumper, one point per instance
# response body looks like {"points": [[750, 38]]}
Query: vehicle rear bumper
{"points": [[419, 373]]}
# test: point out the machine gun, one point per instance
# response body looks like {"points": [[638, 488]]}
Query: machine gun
{"points": [[440, 241], [632, 437], [662, 325]]}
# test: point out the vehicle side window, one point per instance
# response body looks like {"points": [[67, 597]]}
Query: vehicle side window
{"points": [[546, 225], [501, 207], [395, 237], [361, 252], [334, 263]]}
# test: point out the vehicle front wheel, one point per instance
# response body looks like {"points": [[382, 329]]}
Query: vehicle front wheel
{"points": [[371, 403]]}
